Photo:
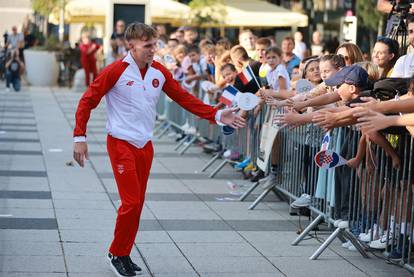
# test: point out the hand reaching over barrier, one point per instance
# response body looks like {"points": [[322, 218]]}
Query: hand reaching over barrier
{"points": [[371, 121], [324, 119], [231, 118]]}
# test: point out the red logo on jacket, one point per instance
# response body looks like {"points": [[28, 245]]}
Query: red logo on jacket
{"points": [[130, 83], [155, 83]]}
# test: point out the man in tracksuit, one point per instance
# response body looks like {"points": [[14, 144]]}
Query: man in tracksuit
{"points": [[131, 87]]}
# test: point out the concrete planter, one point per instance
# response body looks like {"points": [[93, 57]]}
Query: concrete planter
{"points": [[42, 67]]}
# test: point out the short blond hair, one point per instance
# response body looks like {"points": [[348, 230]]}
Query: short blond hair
{"points": [[372, 70], [239, 52], [141, 31]]}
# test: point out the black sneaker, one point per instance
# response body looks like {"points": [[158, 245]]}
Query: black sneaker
{"points": [[134, 266], [120, 265], [257, 176]]}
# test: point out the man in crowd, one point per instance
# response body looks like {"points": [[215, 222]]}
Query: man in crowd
{"points": [[190, 36], [247, 39], [132, 87], [291, 60], [318, 46], [15, 39], [300, 46]]}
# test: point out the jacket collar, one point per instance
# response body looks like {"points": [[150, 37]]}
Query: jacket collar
{"points": [[129, 59]]}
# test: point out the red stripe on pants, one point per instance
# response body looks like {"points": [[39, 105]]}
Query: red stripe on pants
{"points": [[131, 167]]}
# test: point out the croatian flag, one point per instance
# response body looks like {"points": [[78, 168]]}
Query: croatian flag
{"points": [[229, 94], [327, 159], [325, 141], [246, 75]]}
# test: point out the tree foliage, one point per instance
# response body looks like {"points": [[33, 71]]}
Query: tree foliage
{"points": [[368, 15], [45, 7], [207, 12]]}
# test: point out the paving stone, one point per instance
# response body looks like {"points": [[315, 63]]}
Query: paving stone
{"points": [[27, 213], [232, 264], [159, 250], [28, 223], [202, 236], [29, 235], [29, 248], [152, 237], [170, 265], [325, 266], [30, 274], [218, 250], [33, 264]]}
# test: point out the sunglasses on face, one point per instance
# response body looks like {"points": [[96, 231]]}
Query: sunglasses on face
{"points": [[346, 58]]}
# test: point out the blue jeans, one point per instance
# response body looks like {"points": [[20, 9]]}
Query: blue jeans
{"points": [[14, 80]]}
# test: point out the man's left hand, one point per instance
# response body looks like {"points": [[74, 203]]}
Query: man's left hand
{"points": [[230, 118]]}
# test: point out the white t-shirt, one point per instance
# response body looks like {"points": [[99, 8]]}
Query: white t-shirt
{"points": [[273, 77], [404, 67], [15, 39], [299, 50]]}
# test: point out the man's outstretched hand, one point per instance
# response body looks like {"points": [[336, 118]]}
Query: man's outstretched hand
{"points": [[230, 118], [80, 153]]}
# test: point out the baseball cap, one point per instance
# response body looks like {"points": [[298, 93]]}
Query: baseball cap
{"points": [[352, 75]]}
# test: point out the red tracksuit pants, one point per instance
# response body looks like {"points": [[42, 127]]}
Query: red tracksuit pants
{"points": [[131, 167], [89, 66]]}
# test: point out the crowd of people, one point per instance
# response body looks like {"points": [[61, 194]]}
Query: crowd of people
{"points": [[349, 90]]}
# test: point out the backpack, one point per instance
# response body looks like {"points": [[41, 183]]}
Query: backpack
{"points": [[388, 88]]}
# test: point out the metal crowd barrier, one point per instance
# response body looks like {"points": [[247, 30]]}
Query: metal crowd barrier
{"points": [[373, 197]]}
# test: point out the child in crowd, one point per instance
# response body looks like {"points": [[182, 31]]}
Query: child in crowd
{"points": [[277, 77], [193, 69], [209, 56]]}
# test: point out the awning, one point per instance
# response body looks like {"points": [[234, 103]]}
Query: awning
{"points": [[91, 11], [257, 13], [169, 11]]}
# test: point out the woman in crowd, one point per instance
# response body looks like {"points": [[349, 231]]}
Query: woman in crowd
{"points": [[350, 52], [384, 55]]}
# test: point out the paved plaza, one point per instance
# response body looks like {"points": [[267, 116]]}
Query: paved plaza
{"points": [[57, 219]]}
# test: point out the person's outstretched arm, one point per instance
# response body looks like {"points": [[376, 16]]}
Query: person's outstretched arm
{"points": [[320, 100], [194, 105], [90, 99], [404, 105]]}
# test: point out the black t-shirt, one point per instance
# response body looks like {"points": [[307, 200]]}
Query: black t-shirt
{"points": [[115, 35], [252, 85]]}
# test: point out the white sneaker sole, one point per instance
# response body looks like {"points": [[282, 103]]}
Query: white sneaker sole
{"points": [[116, 272]]}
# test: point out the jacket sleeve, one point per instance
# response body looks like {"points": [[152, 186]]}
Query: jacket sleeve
{"points": [[91, 98], [186, 100]]}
